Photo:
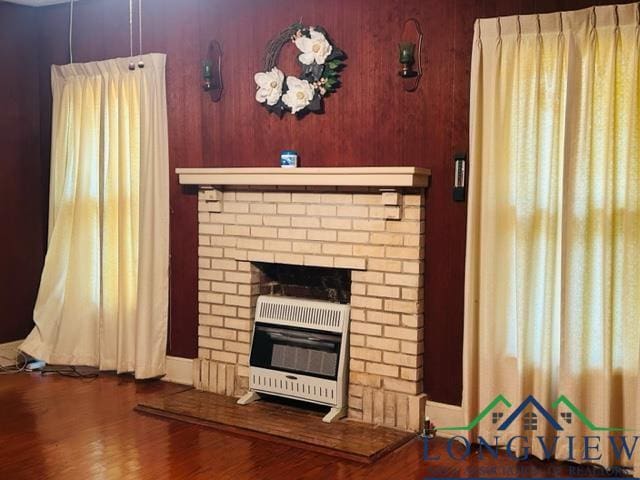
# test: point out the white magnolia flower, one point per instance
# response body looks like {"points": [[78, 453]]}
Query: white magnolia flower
{"points": [[299, 94], [317, 48], [269, 86]]}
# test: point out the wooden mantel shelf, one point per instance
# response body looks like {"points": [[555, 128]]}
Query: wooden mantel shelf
{"points": [[330, 176]]}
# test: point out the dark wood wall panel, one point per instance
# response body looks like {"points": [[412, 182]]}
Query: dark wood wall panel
{"points": [[22, 191], [370, 121]]}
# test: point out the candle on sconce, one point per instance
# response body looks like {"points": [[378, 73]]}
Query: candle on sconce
{"points": [[406, 52], [407, 59], [207, 75]]}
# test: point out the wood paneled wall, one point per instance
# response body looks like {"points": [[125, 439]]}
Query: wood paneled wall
{"points": [[23, 189], [370, 121]]}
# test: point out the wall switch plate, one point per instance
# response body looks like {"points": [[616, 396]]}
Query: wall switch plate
{"points": [[460, 177]]}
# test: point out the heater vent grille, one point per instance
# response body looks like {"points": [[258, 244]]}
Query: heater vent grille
{"points": [[294, 386], [302, 313]]}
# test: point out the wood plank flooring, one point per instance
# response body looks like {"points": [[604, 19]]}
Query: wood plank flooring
{"points": [[63, 428], [279, 421]]}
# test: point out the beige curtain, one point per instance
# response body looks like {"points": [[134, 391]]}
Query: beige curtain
{"points": [[552, 301], [104, 289]]}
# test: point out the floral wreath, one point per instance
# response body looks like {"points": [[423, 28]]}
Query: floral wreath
{"points": [[321, 62]]}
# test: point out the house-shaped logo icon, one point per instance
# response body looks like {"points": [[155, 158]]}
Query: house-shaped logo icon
{"points": [[530, 418]]}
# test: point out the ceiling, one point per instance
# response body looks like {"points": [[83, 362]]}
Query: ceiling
{"points": [[38, 3]]}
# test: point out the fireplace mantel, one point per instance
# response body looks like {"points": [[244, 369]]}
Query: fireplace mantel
{"points": [[309, 176]]}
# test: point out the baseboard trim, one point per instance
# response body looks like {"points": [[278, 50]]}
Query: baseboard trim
{"points": [[445, 415], [179, 370], [8, 352]]}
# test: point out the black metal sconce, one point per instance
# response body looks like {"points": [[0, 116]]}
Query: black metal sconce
{"points": [[411, 38], [212, 71]]}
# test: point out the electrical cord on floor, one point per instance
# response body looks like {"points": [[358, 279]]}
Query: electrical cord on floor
{"points": [[22, 361], [83, 373]]}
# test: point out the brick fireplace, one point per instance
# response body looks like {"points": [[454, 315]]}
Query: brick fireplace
{"points": [[368, 221]]}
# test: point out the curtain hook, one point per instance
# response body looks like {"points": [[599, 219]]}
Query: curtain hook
{"points": [[617, 18], [538, 24], [499, 27], [561, 23], [637, 13], [593, 17]]}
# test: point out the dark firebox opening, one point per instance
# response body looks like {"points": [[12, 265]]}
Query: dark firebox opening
{"points": [[318, 283]]}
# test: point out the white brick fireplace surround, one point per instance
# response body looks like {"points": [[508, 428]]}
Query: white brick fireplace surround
{"points": [[367, 220]]}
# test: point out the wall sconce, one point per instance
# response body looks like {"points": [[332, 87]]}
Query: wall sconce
{"points": [[212, 71], [411, 37]]}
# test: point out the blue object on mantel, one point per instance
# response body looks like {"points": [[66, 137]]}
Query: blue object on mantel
{"points": [[288, 159]]}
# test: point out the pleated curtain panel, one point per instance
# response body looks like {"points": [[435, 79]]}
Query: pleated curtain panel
{"points": [[103, 296], [552, 298]]}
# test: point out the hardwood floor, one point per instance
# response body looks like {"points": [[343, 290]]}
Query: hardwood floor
{"points": [[64, 428]]}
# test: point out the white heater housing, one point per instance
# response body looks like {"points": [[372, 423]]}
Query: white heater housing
{"points": [[306, 323]]}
